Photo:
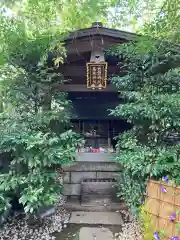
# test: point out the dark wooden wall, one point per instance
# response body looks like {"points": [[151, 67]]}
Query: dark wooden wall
{"points": [[79, 53], [93, 105]]}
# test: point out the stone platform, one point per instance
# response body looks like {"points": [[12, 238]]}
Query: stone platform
{"points": [[96, 166]]}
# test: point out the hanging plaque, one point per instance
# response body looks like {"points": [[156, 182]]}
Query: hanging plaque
{"points": [[96, 75]]}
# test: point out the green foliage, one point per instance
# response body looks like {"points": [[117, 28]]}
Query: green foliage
{"points": [[166, 23], [34, 130], [34, 116], [178, 227], [35, 135], [133, 14], [4, 202], [130, 189], [67, 15], [59, 16], [150, 88], [146, 223]]}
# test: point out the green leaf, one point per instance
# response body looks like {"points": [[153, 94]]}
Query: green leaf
{"points": [[2, 61]]}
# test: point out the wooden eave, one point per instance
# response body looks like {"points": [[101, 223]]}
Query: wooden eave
{"points": [[101, 31], [109, 32]]}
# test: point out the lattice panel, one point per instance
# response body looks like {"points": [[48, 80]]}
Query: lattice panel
{"points": [[161, 205]]}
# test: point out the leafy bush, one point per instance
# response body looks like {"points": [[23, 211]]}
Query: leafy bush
{"points": [[4, 202], [131, 189], [150, 88], [35, 132]]}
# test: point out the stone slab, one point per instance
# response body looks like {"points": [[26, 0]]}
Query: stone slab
{"points": [[66, 177], [72, 189], [73, 204], [104, 218], [95, 157], [90, 233], [87, 201], [92, 167], [77, 177], [98, 188], [112, 175]]}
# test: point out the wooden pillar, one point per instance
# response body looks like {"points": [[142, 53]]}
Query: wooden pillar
{"points": [[79, 123], [83, 127], [109, 137]]}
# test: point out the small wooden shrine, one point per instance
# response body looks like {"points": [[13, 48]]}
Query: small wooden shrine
{"points": [[87, 73]]}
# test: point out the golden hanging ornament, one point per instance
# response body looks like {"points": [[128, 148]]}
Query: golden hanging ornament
{"points": [[96, 75]]}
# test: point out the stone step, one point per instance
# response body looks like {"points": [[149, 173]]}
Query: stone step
{"points": [[92, 167], [95, 201], [99, 218], [91, 233], [75, 205], [95, 157]]}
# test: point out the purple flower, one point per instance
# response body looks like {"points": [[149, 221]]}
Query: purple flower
{"points": [[165, 179], [173, 216], [163, 190], [156, 236], [175, 238]]}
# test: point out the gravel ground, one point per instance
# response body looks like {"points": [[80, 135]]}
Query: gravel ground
{"points": [[18, 228], [130, 230]]}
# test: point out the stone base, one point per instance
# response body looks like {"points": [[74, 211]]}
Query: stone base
{"points": [[93, 176]]}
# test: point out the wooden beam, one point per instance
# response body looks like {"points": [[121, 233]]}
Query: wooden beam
{"points": [[80, 71], [83, 88]]}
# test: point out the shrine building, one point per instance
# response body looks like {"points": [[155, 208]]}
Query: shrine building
{"points": [[87, 72]]}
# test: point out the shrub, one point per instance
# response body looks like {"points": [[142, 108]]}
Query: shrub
{"points": [[150, 88]]}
